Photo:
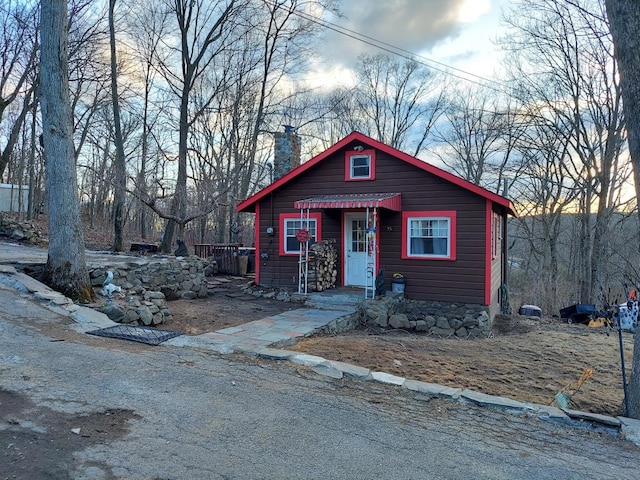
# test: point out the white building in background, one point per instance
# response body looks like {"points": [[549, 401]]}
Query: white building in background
{"points": [[14, 198]]}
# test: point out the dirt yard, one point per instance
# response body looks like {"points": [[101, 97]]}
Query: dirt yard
{"points": [[525, 359], [226, 306]]}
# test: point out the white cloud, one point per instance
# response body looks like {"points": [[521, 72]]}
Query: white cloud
{"points": [[413, 25], [454, 32], [471, 10]]}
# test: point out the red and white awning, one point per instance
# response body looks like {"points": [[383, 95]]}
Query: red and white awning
{"points": [[390, 201]]}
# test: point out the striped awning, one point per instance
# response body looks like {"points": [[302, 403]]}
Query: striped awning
{"points": [[391, 201]]}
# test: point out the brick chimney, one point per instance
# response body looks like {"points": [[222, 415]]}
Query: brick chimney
{"points": [[286, 151]]}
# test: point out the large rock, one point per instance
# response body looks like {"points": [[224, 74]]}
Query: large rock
{"points": [[443, 332], [442, 323], [380, 321], [146, 317], [113, 311], [399, 320]]}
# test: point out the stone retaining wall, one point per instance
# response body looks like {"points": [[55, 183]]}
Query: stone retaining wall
{"points": [[435, 318], [146, 285], [24, 231], [175, 278]]}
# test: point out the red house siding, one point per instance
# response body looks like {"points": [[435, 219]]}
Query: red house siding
{"points": [[462, 280], [474, 276]]}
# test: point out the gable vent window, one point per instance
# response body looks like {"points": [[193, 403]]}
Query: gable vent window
{"points": [[360, 165]]}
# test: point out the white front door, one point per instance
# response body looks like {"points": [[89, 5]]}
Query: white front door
{"points": [[355, 248]]}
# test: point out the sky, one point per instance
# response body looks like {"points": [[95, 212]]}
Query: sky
{"points": [[454, 32]]}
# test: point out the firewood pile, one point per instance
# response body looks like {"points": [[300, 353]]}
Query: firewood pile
{"points": [[323, 260]]}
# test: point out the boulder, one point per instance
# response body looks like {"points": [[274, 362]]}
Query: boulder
{"points": [[380, 321], [442, 323], [399, 320], [113, 311], [146, 317]]}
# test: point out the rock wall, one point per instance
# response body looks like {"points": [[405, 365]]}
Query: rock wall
{"points": [[435, 318], [145, 286], [175, 278], [24, 231]]}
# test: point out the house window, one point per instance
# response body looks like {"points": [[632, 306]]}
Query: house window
{"points": [[360, 165], [429, 235], [290, 225]]}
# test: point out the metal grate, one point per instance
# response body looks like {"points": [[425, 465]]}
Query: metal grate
{"points": [[148, 335]]}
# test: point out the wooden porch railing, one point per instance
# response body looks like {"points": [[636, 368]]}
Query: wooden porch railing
{"points": [[226, 255]]}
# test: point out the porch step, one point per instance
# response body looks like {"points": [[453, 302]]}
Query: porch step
{"points": [[334, 300]]}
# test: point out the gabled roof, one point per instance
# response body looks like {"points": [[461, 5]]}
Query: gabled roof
{"points": [[248, 205]]}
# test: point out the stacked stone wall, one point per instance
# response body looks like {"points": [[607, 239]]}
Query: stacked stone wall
{"points": [[175, 278], [20, 231], [435, 318], [145, 286]]}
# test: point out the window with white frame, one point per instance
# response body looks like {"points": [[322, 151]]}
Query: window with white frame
{"points": [[291, 227], [428, 237], [360, 166]]}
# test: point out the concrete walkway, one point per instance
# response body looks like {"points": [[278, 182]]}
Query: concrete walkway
{"points": [[279, 330]]}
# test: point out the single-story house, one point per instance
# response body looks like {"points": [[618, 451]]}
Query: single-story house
{"points": [[383, 210]]}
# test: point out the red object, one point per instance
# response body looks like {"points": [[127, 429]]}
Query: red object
{"points": [[302, 235]]}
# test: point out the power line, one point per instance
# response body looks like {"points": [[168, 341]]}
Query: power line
{"points": [[395, 50]]}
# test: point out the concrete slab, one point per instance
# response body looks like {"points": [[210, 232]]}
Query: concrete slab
{"points": [[630, 429], [327, 370], [550, 413], [276, 354], [200, 342], [352, 371], [90, 319], [383, 377], [53, 297], [307, 360], [31, 283], [230, 330], [593, 417], [273, 337], [485, 400], [433, 389]]}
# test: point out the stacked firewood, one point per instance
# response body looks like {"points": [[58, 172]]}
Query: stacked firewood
{"points": [[323, 260]]}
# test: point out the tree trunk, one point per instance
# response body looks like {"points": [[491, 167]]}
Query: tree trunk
{"points": [[65, 270], [624, 20], [119, 170]]}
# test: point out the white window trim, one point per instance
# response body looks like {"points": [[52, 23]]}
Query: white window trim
{"points": [[352, 176], [430, 255], [313, 230]]}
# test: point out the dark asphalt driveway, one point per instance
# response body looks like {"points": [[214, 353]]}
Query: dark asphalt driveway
{"points": [[179, 413]]}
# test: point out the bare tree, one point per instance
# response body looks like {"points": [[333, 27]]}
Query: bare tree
{"points": [[120, 183], [545, 192], [65, 269], [145, 28], [201, 29], [18, 57], [394, 101], [624, 18], [561, 60], [479, 131]]}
